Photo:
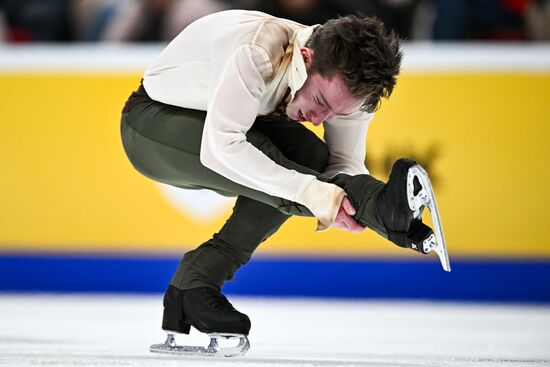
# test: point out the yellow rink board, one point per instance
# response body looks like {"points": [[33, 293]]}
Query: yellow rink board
{"points": [[67, 185]]}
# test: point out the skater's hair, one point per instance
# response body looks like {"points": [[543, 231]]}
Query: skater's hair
{"points": [[362, 51]]}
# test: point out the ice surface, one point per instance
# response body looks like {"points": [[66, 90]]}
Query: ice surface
{"points": [[100, 330]]}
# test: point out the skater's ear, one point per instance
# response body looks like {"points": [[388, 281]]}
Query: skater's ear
{"points": [[307, 55]]}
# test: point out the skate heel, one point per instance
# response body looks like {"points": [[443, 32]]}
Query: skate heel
{"points": [[418, 236], [173, 321], [416, 239]]}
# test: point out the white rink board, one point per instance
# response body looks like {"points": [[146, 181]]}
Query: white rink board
{"points": [[101, 330], [419, 57]]}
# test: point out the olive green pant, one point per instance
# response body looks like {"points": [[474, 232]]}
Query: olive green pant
{"points": [[163, 143]]}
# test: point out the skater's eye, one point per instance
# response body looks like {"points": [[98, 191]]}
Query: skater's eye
{"points": [[322, 101]]}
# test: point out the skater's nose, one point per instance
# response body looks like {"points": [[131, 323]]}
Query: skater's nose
{"points": [[318, 116]]}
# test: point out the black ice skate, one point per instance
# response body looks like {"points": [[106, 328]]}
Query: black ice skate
{"points": [[400, 205], [208, 311]]}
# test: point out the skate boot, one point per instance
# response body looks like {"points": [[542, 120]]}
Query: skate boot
{"points": [[208, 311], [400, 205]]}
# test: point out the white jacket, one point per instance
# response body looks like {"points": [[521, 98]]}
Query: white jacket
{"points": [[236, 65]]}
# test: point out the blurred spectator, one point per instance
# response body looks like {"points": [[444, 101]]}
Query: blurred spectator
{"points": [[156, 20], [138, 20], [396, 14], [307, 12], [491, 19], [3, 27], [35, 20], [537, 20]]}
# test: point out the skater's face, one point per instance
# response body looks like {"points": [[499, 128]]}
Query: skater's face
{"points": [[321, 98]]}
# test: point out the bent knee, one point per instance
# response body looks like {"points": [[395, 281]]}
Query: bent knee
{"points": [[312, 152]]}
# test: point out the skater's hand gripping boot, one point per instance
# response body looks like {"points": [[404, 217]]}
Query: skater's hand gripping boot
{"points": [[400, 205], [394, 210]]}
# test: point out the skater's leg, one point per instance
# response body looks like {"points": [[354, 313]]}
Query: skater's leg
{"points": [[163, 143], [216, 260], [251, 222], [203, 271]]}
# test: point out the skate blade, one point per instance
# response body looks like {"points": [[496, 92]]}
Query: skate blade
{"points": [[425, 197], [212, 350]]}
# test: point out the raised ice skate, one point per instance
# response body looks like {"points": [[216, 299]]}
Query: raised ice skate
{"points": [[400, 205]]}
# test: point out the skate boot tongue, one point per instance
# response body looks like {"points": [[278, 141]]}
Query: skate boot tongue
{"points": [[392, 202], [209, 311], [215, 299]]}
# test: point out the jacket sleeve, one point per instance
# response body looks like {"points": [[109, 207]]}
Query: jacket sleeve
{"points": [[346, 141], [231, 112]]}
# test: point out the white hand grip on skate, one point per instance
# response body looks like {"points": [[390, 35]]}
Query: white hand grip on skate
{"points": [[426, 197], [212, 350]]}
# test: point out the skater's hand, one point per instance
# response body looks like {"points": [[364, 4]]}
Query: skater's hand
{"points": [[344, 220]]}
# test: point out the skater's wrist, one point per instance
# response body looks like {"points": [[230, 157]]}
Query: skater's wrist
{"points": [[323, 200]]}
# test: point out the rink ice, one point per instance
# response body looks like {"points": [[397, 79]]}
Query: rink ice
{"points": [[116, 330]]}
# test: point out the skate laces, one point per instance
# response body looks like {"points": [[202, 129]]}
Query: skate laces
{"points": [[215, 300]]}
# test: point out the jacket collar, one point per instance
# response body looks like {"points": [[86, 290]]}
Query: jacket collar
{"points": [[297, 74]]}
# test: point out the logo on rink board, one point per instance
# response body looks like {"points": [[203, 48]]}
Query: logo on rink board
{"points": [[200, 204]]}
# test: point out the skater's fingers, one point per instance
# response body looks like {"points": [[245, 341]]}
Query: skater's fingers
{"points": [[353, 226], [346, 223], [339, 221], [350, 224], [346, 204]]}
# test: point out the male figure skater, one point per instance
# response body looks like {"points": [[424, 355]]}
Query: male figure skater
{"points": [[223, 107]]}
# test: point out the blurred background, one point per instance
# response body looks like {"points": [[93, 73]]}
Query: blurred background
{"points": [[23, 21], [472, 105]]}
